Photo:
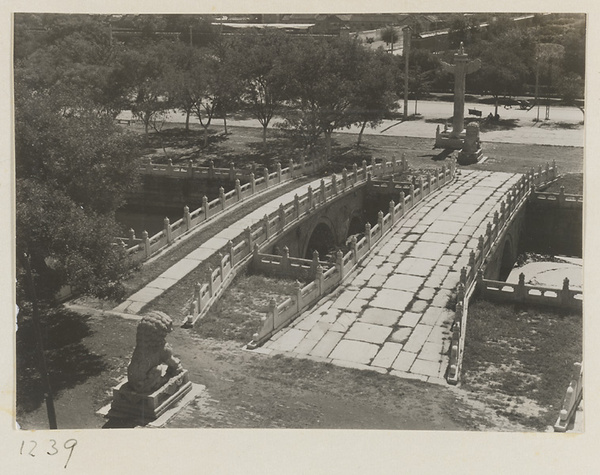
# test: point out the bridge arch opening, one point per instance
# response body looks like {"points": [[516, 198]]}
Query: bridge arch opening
{"points": [[321, 240], [356, 226], [508, 260]]}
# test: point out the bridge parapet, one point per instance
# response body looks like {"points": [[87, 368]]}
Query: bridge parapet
{"points": [[473, 273], [275, 224], [282, 315]]}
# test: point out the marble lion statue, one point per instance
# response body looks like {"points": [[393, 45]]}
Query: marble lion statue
{"points": [[152, 363]]}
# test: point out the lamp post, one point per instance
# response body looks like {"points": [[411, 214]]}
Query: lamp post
{"points": [[406, 52]]}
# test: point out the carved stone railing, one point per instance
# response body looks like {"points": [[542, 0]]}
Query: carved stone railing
{"points": [[571, 401], [514, 199], [141, 249], [272, 226], [283, 314]]}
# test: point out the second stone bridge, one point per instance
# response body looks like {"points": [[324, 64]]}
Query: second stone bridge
{"points": [[393, 315]]}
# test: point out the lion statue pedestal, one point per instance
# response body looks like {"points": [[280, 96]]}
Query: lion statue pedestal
{"points": [[471, 151], [155, 378]]}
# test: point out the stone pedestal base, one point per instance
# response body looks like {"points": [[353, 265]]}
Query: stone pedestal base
{"points": [[447, 141], [127, 404], [469, 158]]}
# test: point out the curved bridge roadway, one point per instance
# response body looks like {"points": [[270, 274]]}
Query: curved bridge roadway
{"points": [[391, 317]]}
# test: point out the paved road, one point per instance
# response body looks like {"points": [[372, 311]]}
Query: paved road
{"points": [[391, 317], [563, 128]]}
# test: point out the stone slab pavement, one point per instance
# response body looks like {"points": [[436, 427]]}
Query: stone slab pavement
{"points": [[391, 317]]}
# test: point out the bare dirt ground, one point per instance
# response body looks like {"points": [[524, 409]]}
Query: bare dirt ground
{"points": [[244, 390]]}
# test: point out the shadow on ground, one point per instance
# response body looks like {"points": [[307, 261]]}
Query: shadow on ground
{"points": [[69, 361]]}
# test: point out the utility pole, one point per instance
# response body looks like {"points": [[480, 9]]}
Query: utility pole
{"points": [[406, 52]]}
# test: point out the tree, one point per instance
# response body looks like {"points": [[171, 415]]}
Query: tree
{"points": [[423, 71], [322, 83], [390, 36], [73, 168], [264, 73], [374, 97], [141, 75]]}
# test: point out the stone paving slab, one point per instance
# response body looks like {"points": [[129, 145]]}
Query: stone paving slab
{"points": [[355, 351], [387, 355], [379, 316], [327, 344], [392, 299], [368, 332]]}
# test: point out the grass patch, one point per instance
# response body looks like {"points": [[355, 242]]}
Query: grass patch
{"points": [[238, 313], [522, 357], [573, 183]]}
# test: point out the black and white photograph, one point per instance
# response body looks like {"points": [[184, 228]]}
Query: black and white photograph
{"points": [[319, 223]]}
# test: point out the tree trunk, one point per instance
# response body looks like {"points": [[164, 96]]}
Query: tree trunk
{"points": [[187, 121], [205, 136], [416, 103], [328, 145], [264, 137], [225, 123], [496, 108], [360, 134]]}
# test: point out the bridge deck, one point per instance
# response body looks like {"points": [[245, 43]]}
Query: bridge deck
{"points": [[392, 316]]}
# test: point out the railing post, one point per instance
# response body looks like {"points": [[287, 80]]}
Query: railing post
{"points": [[565, 293], [231, 255], [205, 207], [502, 211], [302, 165], [428, 182], [231, 171], [339, 262], [273, 310], [221, 266], [131, 237], [333, 184], [278, 168], [187, 218], [480, 279], [354, 249], [319, 279], [197, 296], [285, 261], [298, 288], [561, 196], [323, 190], [252, 183], [402, 204], [249, 242], [404, 162], [354, 173], [373, 167], [149, 167], [364, 169], [380, 222], [190, 170], [266, 226], [314, 264], [255, 256], [266, 176], [344, 178], [281, 216], [211, 169], [296, 206], [521, 287], [310, 198], [368, 234], [554, 171], [170, 167], [238, 189], [210, 281], [412, 195], [392, 211], [146, 241], [167, 228], [222, 197], [291, 167]]}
